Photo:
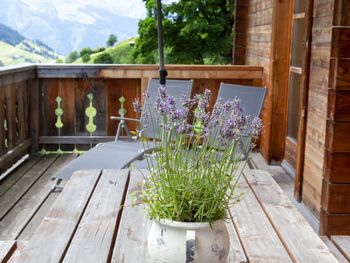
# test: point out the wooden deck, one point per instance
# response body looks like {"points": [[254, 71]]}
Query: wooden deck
{"points": [[266, 225]]}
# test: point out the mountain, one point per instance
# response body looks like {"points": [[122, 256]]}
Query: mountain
{"points": [[15, 49], [67, 25]]}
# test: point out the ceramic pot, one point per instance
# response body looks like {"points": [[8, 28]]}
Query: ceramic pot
{"points": [[172, 241]]}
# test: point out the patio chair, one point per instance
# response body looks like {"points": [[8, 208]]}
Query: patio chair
{"points": [[120, 154], [252, 99]]}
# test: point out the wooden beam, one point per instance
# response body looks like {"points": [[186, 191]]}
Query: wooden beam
{"points": [[7, 158], [74, 139], [303, 106], [150, 71]]}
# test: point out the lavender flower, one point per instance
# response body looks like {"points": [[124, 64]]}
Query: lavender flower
{"points": [[146, 95], [256, 126], [145, 118], [162, 92], [137, 105]]}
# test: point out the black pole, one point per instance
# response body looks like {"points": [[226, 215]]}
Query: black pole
{"points": [[162, 72]]}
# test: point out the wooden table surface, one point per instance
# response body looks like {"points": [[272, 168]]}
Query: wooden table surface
{"points": [[93, 221]]}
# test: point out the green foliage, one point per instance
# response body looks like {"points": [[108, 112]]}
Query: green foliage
{"points": [[59, 61], [86, 58], [195, 32], [103, 58], [98, 49], [112, 40], [85, 51], [73, 56]]}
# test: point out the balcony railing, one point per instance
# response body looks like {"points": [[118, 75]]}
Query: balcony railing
{"points": [[67, 107]]}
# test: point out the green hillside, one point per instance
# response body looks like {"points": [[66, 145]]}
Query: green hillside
{"points": [[25, 52], [120, 54], [16, 49]]}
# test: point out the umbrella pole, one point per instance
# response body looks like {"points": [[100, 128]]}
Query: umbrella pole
{"points": [[162, 72]]}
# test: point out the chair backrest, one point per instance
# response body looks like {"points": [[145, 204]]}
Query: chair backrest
{"points": [[252, 98], [175, 88]]}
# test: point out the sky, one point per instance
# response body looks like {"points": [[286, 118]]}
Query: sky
{"points": [[129, 8]]}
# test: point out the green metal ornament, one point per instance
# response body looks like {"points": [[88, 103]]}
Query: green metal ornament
{"points": [[90, 112]]}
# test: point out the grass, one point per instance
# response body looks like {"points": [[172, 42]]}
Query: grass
{"points": [[11, 55], [121, 53]]}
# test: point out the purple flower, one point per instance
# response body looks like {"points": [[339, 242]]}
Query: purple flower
{"points": [[162, 92], [137, 105], [146, 95], [144, 118], [256, 126]]}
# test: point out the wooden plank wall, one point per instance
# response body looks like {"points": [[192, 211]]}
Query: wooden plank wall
{"points": [[335, 213], [14, 115], [263, 38], [317, 104], [253, 47], [107, 84]]}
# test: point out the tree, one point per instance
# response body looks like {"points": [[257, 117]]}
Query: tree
{"points": [[59, 61], [112, 39], [86, 58], [85, 51], [195, 32], [73, 56], [103, 58]]}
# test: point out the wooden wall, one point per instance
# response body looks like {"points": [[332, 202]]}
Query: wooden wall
{"points": [[262, 38], [315, 140], [335, 213]]}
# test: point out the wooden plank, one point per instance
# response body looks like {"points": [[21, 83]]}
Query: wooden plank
{"points": [[15, 221], [7, 248], [343, 244], [334, 224], [74, 139], [336, 167], [93, 239], [338, 136], [259, 239], [236, 253], [303, 103], [11, 179], [338, 105], [11, 156], [50, 241], [131, 241], [302, 243], [34, 116], [149, 71], [336, 197], [9, 77], [338, 255], [11, 197], [27, 233], [20, 246]]}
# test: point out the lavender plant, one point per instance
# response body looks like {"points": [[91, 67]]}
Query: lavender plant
{"points": [[194, 174]]}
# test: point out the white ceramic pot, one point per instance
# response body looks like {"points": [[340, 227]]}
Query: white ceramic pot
{"points": [[180, 242]]}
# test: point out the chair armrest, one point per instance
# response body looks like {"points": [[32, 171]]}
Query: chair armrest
{"points": [[123, 119]]}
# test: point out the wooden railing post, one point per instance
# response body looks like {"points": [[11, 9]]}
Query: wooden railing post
{"points": [[34, 103]]}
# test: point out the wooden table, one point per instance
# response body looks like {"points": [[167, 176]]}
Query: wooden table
{"points": [[93, 221]]}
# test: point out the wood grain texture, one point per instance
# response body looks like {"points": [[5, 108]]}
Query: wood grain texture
{"points": [[17, 219], [93, 238], [335, 251], [55, 232], [11, 197], [131, 241], [259, 239], [343, 244], [336, 197], [7, 248], [300, 240]]}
